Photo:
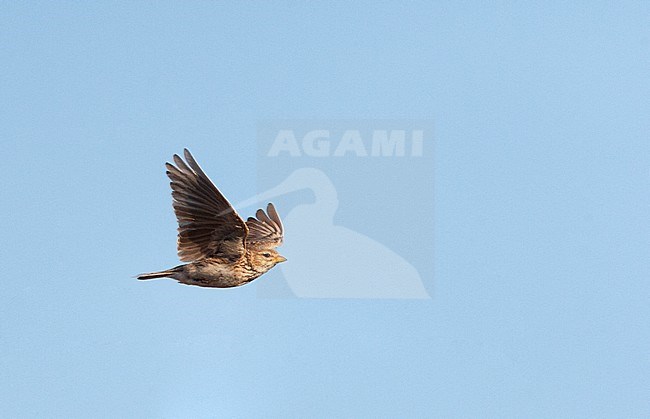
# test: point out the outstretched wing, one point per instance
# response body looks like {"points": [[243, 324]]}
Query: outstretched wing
{"points": [[208, 225], [264, 231]]}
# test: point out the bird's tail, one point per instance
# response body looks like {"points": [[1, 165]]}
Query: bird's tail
{"points": [[169, 273]]}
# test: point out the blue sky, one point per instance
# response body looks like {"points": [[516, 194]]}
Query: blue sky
{"points": [[540, 288]]}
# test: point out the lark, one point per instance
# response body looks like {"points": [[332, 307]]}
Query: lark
{"points": [[222, 249]]}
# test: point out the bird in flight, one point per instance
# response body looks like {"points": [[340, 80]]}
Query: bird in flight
{"points": [[222, 249]]}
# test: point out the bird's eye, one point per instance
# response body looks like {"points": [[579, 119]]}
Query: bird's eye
{"points": [[266, 255]]}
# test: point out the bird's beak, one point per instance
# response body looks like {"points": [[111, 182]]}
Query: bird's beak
{"points": [[280, 259]]}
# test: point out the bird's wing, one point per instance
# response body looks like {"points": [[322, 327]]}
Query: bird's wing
{"points": [[208, 225], [264, 231]]}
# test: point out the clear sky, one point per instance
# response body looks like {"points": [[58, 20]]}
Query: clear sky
{"points": [[539, 281]]}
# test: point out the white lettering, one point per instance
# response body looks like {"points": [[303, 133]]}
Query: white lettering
{"points": [[317, 143], [321, 137], [385, 144], [417, 142], [351, 141], [285, 141]]}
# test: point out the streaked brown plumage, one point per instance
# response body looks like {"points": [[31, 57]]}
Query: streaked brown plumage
{"points": [[222, 250]]}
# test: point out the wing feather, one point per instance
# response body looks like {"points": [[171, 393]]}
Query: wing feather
{"points": [[265, 231], [208, 225]]}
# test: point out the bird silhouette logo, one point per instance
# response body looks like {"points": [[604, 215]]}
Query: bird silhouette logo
{"points": [[333, 261]]}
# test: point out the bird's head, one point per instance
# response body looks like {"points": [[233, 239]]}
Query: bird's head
{"points": [[265, 259]]}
